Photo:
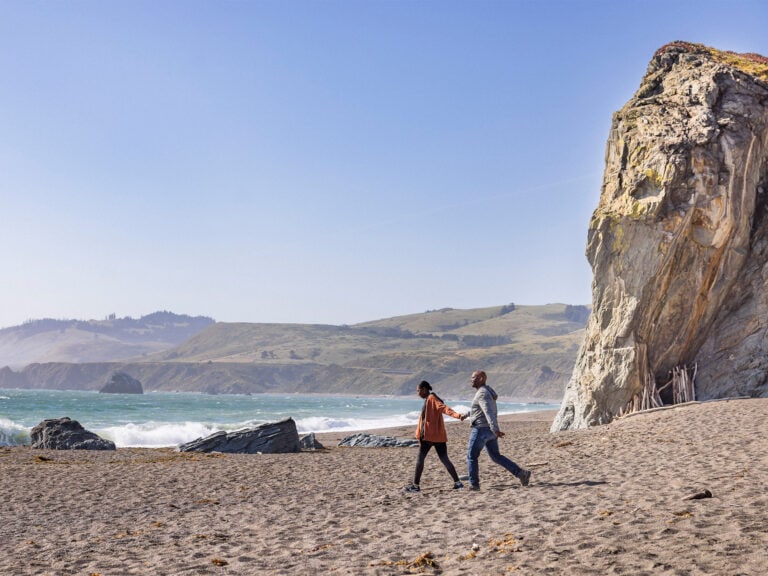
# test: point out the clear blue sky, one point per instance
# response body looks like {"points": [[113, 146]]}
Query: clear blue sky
{"points": [[315, 161]]}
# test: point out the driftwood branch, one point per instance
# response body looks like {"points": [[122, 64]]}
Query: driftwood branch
{"points": [[649, 398]]}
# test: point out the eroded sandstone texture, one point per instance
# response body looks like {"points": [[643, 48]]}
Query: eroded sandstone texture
{"points": [[678, 243]]}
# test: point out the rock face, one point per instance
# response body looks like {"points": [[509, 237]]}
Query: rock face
{"points": [[678, 243], [122, 383], [374, 441], [67, 434], [270, 438]]}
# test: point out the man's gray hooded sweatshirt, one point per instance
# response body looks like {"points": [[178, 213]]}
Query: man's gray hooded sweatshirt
{"points": [[483, 413]]}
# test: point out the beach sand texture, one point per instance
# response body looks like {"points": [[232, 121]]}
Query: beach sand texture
{"points": [[608, 500]]}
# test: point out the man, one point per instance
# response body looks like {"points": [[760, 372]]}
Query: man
{"points": [[485, 433]]}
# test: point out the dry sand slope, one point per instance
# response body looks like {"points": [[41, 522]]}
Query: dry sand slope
{"points": [[608, 500]]}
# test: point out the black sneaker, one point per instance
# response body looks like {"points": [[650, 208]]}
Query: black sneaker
{"points": [[525, 477], [474, 488], [458, 485], [412, 488]]}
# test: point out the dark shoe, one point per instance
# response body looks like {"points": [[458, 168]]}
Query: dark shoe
{"points": [[458, 485], [412, 488], [474, 488], [525, 477]]}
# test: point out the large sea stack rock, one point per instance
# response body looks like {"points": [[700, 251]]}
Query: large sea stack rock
{"points": [[122, 383], [270, 438], [67, 434], [678, 243]]}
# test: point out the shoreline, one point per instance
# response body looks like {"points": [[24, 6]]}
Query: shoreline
{"points": [[141, 421], [467, 398], [609, 499]]}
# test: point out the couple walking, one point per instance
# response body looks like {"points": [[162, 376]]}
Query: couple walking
{"points": [[485, 434]]}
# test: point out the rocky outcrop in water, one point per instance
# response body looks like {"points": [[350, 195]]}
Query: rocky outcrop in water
{"points": [[679, 241], [67, 434], [270, 438], [122, 383]]}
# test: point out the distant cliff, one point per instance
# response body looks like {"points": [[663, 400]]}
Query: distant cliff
{"points": [[679, 241]]}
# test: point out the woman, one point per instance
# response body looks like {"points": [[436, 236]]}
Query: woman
{"points": [[431, 432]]}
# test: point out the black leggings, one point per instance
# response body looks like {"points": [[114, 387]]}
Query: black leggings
{"points": [[442, 452]]}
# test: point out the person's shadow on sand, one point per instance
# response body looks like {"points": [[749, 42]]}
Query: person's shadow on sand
{"points": [[579, 483], [536, 484]]}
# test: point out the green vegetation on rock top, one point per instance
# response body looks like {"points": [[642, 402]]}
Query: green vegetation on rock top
{"points": [[749, 63]]}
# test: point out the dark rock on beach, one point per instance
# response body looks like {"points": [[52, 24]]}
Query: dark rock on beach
{"points": [[67, 434], [310, 442], [373, 441], [122, 383], [271, 438]]}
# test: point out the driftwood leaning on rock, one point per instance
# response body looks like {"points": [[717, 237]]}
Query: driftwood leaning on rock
{"points": [[682, 391], [373, 441], [67, 434], [271, 438]]}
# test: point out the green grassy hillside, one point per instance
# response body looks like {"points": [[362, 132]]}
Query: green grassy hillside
{"points": [[528, 352], [529, 349]]}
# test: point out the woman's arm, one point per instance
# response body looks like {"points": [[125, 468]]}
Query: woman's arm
{"points": [[442, 407]]}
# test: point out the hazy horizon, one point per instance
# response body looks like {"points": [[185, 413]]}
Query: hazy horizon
{"points": [[115, 316]]}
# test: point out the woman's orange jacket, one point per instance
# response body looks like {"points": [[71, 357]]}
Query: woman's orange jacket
{"points": [[434, 427]]}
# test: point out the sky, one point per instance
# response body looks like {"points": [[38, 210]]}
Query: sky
{"points": [[319, 161]]}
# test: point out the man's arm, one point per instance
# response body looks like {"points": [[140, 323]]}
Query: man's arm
{"points": [[488, 409]]}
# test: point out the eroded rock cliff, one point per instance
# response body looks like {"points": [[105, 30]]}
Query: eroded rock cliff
{"points": [[678, 243]]}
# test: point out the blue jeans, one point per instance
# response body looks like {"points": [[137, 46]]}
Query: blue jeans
{"points": [[481, 438]]}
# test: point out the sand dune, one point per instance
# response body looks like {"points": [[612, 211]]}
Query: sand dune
{"points": [[609, 500]]}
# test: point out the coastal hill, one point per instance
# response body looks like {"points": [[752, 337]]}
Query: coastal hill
{"points": [[51, 340], [529, 352]]}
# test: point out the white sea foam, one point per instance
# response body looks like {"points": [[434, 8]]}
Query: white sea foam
{"points": [[320, 424], [157, 434], [462, 409], [323, 424], [12, 434], [165, 434]]}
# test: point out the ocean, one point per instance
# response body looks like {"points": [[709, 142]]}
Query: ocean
{"points": [[160, 419]]}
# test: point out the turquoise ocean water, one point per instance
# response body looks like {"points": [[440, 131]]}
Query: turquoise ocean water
{"points": [[168, 419]]}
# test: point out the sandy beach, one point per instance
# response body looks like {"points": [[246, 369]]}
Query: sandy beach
{"points": [[609, 500]]}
